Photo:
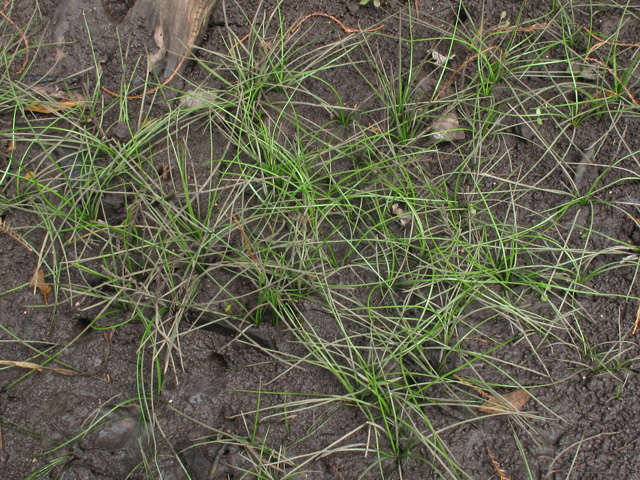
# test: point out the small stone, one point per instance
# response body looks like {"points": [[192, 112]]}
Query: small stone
{"points": [[447, 128], [525, 131], [587, 71], [353, 8], [197, 98], [120, 131]]}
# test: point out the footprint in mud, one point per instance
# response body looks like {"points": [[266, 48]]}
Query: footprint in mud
{"points": [[199, 465], [200, 389], [176, 25], [115, 446], [122, 429]]}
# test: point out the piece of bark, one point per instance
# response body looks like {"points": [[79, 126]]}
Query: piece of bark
{"points": [[181, 22]]}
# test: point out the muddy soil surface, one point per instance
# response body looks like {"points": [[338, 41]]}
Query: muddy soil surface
{"points": [[39, 410]]}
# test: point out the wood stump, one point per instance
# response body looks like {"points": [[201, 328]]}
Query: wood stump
{"points": [[180, 24], [176, 25]]}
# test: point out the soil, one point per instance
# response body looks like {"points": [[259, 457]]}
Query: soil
{"points": [[588, 423]]}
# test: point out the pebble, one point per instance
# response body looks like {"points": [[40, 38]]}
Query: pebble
{"points": [[120, 131]]}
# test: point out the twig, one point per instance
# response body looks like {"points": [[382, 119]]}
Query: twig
{"points": [[24, 38], [7, 229], [499, 29], [239, 42], [245, 238], [601, 42], [464, 64], [3, 455], [344, 27], [627, 91], [635, 327]]}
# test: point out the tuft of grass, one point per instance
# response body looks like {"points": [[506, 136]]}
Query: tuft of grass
{"points": [[291, 217]]}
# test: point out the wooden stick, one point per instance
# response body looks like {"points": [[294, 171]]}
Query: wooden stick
{"points": [[335, 19], [24, 38]]}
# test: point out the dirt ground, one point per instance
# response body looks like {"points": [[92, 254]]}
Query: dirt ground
{"points": [[41, 409]]}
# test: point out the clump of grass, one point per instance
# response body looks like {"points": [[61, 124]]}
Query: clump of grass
{"points": [[424, 305]]}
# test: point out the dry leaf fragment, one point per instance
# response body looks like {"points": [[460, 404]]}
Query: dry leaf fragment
{"points": [[37, 281], [447, 128], [496, 465], [35, 366], [56, 99], [42, 108], [163, 172], [511, 402], [10, 147], [440, 59], [403, 218]]}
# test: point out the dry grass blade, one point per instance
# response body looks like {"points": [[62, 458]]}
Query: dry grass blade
{"points": [[40, 368], [496, 465], [3, 455], [37, 281], [335, 19], [511, 402], [61, 99], [476, 389]]}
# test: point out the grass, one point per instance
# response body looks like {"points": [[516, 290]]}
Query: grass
{"points": [[288, 220]]}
